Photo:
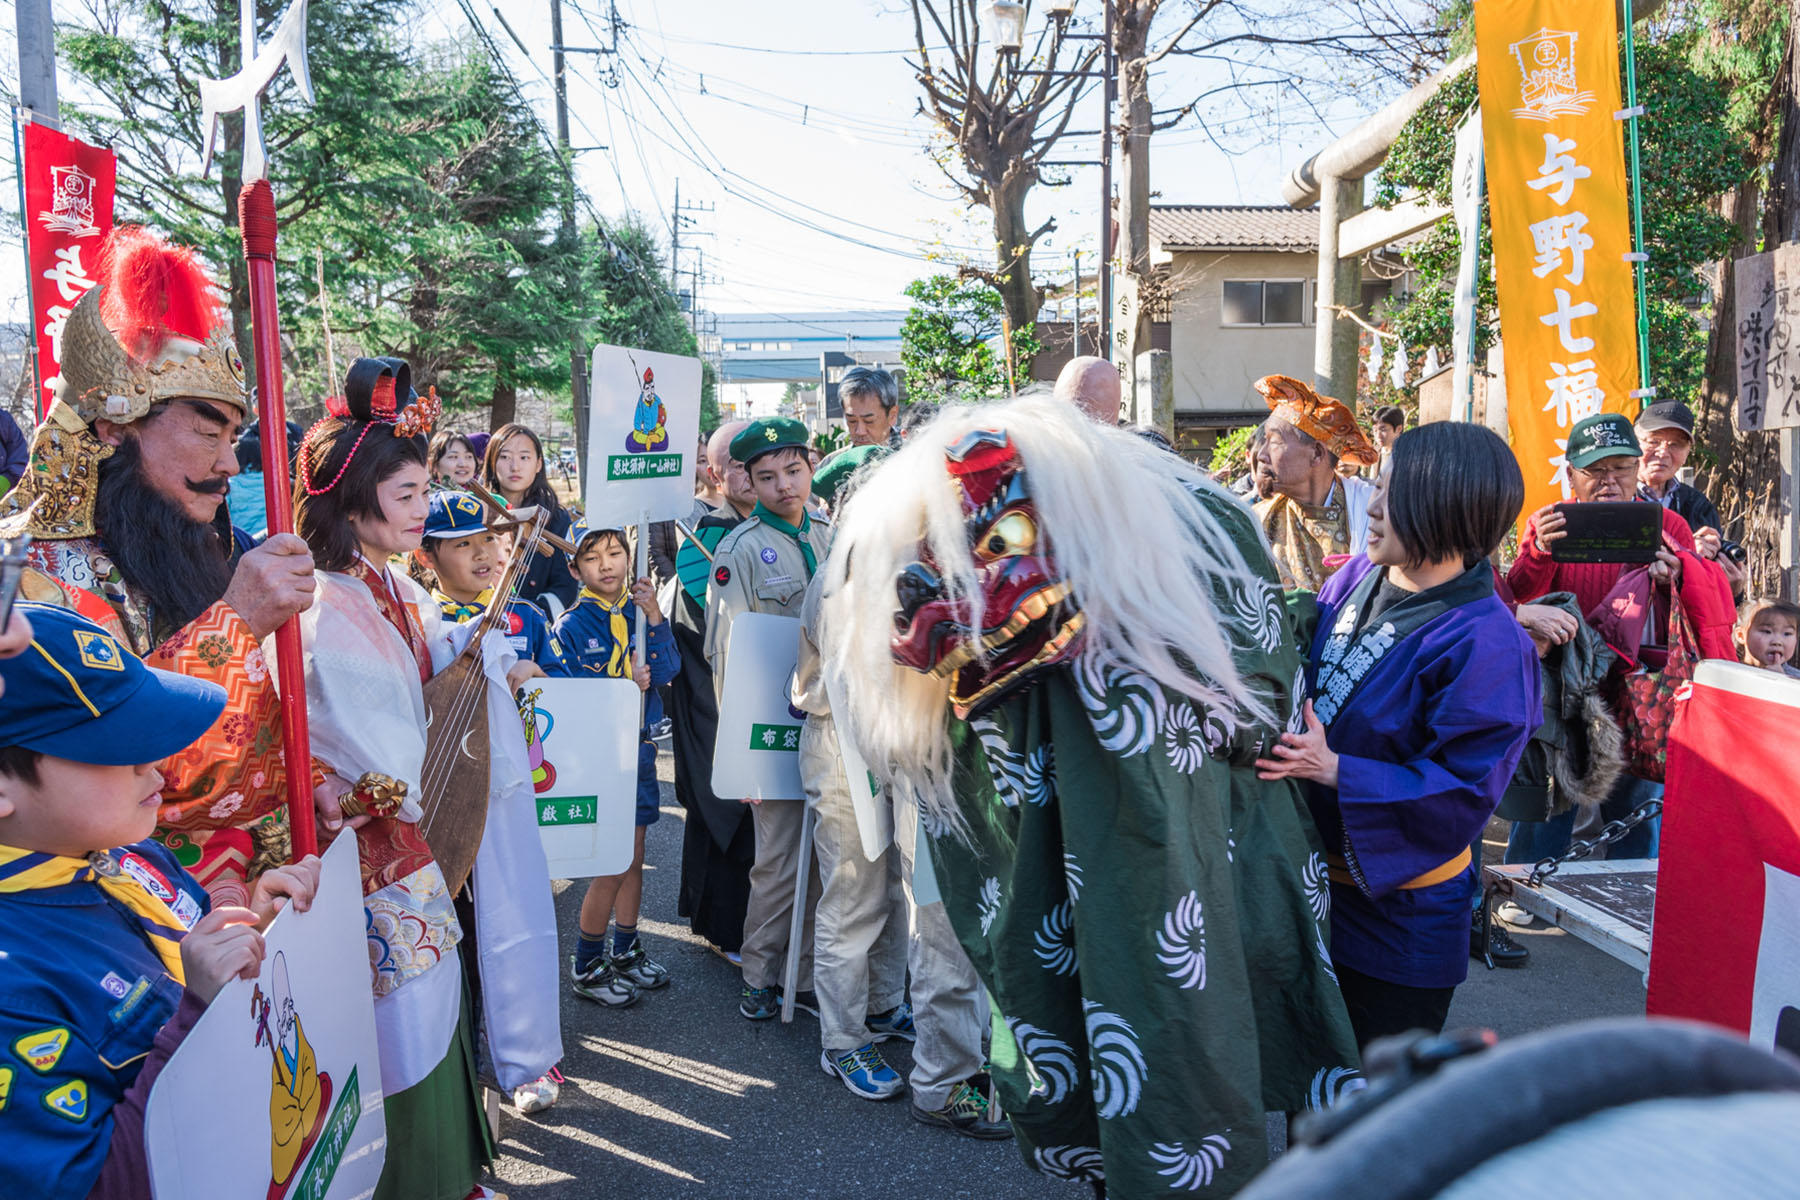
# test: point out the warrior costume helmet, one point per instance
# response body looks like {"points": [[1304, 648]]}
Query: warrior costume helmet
{"points": [[149, 332]]}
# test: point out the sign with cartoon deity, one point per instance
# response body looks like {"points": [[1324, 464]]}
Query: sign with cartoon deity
{"points": [[582, 739], [284, 1068], [644, 426]]}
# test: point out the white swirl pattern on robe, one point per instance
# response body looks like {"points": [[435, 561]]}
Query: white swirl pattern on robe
{"points": [[1072, 875], [1005, 765], [1318, 886], [1082, 1163], [1048, 1059], [1190, 1170], [1126, 708], [1056, 940], [990, 903], [1333, 1085], [1183, 943], [1115, 1061], [1261, 613]]}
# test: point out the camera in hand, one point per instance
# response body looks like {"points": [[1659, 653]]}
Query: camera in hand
{"points": [[1734, 551]]}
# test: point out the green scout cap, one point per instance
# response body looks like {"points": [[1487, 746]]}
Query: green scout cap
{"points": [[1604, 435], [768, 433], [836, 471]]}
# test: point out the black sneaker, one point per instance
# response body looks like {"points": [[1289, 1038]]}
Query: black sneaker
{"points": [[1497, 947], [806, 1001], [965, 1113], [639, 969]]}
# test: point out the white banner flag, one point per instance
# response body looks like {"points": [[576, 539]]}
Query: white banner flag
{"points": [[1469, 179]]}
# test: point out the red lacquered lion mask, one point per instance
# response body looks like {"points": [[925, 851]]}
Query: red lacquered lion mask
{"points": [[1031, 622]]}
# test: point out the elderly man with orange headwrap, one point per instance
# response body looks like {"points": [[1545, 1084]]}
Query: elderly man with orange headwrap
{"points": [[1316, 519]]}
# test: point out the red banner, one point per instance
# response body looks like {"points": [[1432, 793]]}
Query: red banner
{"points": [[1726, 940], [68, 213]]}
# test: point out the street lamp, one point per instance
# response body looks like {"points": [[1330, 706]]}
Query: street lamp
{"points": [[1006, 19], [1059, 10]]}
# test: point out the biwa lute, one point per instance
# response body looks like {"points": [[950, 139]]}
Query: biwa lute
{"points": [[456, 776]]}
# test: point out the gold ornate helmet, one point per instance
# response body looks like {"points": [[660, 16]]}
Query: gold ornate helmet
{"points": [[150, 331]]}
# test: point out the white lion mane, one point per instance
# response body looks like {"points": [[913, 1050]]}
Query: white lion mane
{"points": [[1124, 528]]}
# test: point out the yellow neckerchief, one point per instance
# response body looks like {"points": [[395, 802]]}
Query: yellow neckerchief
{"points": [[457, 611], [621, 628], [28, 870]]}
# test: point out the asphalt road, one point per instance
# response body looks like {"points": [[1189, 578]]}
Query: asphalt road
{"points": [[680, 1096]]}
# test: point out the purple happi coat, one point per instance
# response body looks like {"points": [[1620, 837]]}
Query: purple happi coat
{"points": [[1429, 706]]}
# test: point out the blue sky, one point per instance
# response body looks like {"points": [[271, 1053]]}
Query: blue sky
{"points": [[796, 123]]}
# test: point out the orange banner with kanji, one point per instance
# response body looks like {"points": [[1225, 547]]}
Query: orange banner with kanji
{"points": [[1555, 148]]}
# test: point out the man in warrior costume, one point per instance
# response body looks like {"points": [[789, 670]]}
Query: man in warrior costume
{"points": [[125, 500], [1077, 702]]}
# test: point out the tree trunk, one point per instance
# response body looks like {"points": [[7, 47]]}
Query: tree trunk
{"points": [[1134, 289], [1019, 297], [1742, 473], [505, 405]]}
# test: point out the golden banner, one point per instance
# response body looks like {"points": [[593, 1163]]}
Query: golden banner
{"points": [[1549, 78]]}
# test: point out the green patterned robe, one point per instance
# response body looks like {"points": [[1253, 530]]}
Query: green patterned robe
{"points": [[1149, 917]]}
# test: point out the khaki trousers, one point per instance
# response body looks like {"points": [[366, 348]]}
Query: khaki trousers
{"points": [[859, 923], [860, 937], [773, 882]]}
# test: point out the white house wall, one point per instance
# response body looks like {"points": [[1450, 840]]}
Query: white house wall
{"points": [[1216, 364]]}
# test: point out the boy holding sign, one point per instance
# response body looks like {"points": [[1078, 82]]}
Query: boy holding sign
{"points": [[596, 631], [108, 953], [763, 566]]}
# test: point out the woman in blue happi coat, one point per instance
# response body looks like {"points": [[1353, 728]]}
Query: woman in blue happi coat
{"points": [[1425, 691]]}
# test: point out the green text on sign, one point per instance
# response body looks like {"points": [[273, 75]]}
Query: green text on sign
{"points": [[335, 1139], [642, 466], [569, 810], [775, 737]]}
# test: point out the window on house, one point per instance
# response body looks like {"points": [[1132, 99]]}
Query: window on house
{"points": [[1265, 302]]}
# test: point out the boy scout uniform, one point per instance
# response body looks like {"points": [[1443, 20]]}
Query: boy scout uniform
{"points": [[764, 566]]}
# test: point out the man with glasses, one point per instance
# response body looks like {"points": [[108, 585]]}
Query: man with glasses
{"points": [[1603, 455]]}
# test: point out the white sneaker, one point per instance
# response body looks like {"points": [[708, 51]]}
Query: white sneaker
{"points": [[1513, 915], [539, 1094]]}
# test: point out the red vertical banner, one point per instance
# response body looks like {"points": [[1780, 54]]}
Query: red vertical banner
{"points": [[68, 193], [1725, 946]]}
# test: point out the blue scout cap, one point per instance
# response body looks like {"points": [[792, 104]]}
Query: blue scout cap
{"points": [[80, 694], [454, 515], [579, 533]]}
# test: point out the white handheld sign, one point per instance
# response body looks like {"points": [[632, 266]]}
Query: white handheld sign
{"points": [[757, 755], [643, 427], [276, 1091], [874, 814], [583, 744]]}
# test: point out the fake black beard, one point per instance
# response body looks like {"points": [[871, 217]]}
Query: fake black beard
{"points": [[175, 563]]}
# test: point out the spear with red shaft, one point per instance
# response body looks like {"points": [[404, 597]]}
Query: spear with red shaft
{"points": [[256, 223]]}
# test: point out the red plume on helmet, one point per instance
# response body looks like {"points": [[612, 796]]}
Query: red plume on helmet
{"points": [[153, 291], [648, 377]]}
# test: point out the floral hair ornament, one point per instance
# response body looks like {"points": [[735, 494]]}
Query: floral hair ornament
{"points": [[372, 396]]}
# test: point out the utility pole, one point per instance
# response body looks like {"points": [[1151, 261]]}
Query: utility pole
{"points": [[37, 60], [1109, 92], [578, 380], [675, 242]]}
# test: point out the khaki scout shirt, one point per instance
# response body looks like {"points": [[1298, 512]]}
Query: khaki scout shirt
{"points": [[808, 690], [756, 569]]}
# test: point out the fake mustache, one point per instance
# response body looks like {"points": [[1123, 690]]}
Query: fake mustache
{"points": [[217, 486]]}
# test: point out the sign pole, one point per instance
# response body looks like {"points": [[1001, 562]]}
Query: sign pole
{"points": [[1633, 111], [256, 223]]}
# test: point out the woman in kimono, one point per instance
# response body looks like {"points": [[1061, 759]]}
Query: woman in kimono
{"points": [[361, 495], [1425, 691]]}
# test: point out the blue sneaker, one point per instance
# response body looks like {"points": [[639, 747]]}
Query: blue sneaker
{"points": [[864, 1072], [759, 1004], [896, 1024]]}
